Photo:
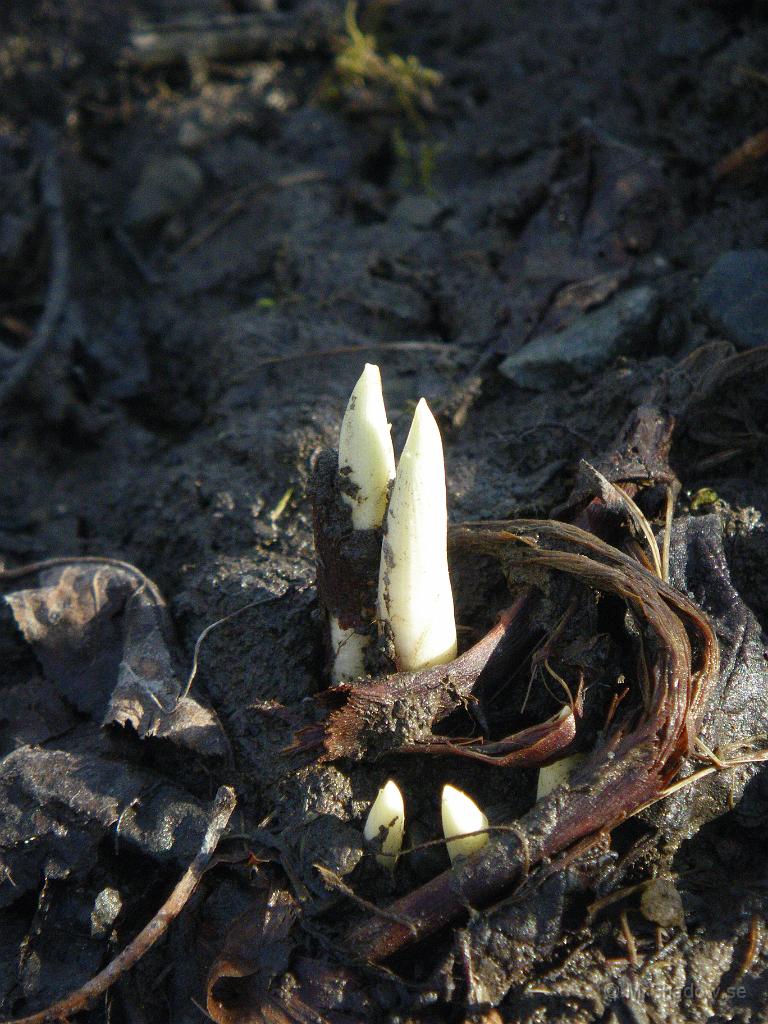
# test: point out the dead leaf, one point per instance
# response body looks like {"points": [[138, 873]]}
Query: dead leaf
{"points": [[100, 631]]}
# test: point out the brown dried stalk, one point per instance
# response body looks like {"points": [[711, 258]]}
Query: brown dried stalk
{"points": [[397, 712], [641, 750], [536, 745]]}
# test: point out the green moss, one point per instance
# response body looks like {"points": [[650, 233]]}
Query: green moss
{"points": [[403, 81], [399, 88]]}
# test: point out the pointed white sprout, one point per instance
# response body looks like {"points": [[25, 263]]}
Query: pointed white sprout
{"points": [[461, 815], [415, 596], [388, 812], [553, 775], [366, 467], [366, 456]]}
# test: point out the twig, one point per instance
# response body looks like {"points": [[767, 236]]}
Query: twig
{"points": [[343, 350], [208, 230], [749, 152], [201, 1008], [472, 385], [229, 38], [663, 953], [209, 629], [702, 773], [593, 909], [147, 273], [634, 514], [669, 512], [629, 938], [443, 841], [333, 881], [223, 806], [554, 425], [44, 145], [750, 949]]}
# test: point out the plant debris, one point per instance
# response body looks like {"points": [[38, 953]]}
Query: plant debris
{"points": [[223, 807], [122, 675]]}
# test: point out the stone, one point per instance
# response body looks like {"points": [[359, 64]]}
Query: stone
{"points": [[418, 211], [620, 327], [191, 136], [661, 903], [733, 296], [167, 185]]}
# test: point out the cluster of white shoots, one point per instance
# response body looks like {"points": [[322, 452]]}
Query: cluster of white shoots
{"points": [[463, 825], [415, 602]]}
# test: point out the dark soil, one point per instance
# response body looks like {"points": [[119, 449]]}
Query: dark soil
{"points": [[239, 225]]}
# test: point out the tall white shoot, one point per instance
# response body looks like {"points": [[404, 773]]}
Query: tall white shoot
{"points": [[415, 597]]}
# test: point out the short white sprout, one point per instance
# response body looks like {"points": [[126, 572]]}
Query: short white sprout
{"points": [[387, 812], [553, 775], [462, 815]]}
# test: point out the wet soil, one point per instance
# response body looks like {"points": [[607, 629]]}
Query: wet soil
{"points": [[245, 232]]}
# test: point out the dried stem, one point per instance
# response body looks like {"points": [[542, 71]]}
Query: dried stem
{"points": [[397, 712]]}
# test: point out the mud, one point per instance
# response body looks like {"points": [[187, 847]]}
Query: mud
{"points": [[245, 231]]}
